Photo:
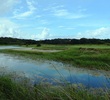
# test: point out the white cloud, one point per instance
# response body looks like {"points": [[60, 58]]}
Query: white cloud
{"points": [[31, 10], [68, 15], [11, 29], [60, 11], [6, 5], [53, 7], [101, 33], [43, 35], [38, 36], [8, 28]]}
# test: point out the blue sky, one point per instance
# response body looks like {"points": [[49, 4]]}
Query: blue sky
{"points": [[48, 19]]}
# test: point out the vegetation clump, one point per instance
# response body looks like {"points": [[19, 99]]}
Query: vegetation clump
{"points": [[38, 45], [12, 90]]}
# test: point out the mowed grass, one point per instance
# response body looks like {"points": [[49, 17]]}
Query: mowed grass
{"points": [[88, 56]]}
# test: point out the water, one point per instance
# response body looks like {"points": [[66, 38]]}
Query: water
{"points": [[51, 71], [9, 47]]}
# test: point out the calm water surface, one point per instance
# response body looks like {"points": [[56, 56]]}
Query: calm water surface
{"points": [[52, 71], [10, 47]]}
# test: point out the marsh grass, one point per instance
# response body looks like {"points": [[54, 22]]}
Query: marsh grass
{"points": [[50, 47], [10, 89], [88, 56], [18, 87]]}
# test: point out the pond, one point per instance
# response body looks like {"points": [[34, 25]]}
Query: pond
{"points": [[55, 72], [10, 47]]}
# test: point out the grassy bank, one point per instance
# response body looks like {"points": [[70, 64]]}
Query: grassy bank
{"points": [[88, 56], [10, 89]]}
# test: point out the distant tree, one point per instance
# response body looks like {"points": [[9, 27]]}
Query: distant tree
{"points": [[15, 41]]}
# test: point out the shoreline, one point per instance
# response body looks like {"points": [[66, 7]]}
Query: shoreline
{"points": [[81, 56]]}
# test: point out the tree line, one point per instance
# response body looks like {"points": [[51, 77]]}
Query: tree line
{"points": [[16, 41]]}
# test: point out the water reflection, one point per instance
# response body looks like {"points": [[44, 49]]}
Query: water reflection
{"points": [[10, 47], [52, 71]]}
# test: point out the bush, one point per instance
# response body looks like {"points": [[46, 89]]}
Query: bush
{"points": [[38, 45]]}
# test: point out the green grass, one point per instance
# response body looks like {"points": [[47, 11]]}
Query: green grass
{"points": [[12, 90], [88, 56], [64, 47]]}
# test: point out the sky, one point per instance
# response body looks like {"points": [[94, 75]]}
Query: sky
{"points": [[49, 19]]}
